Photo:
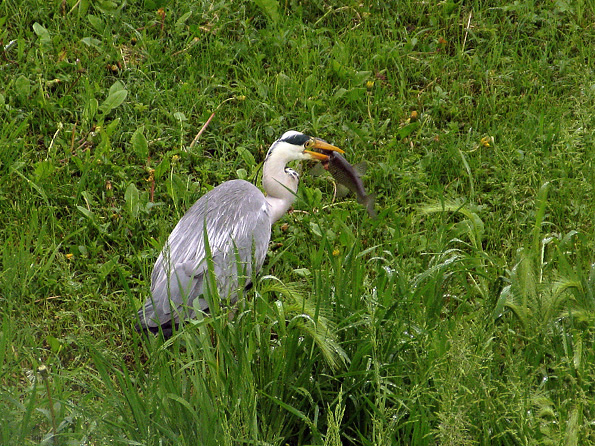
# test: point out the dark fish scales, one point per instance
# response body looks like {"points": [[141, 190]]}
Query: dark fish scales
{"points": [[345, 174]]}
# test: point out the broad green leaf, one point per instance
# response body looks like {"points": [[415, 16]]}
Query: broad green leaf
{"points": [[340, 93], [114, 99], [247, 157], [242, 174], [96, 23], [270, 8], [341, 70], [162, 168], [42, 33], [108, 267], [22, 86], [92, 42], [302, 272], [176, 187], [83, 7], [111, 127], [315, 228], [361, 76], [55, 344], [139, 144], [87, 213], [116, 86], [106, 6], [180, 116], [181, 22], [355, 95], [407, 130], [132, 198], [43, 169]]}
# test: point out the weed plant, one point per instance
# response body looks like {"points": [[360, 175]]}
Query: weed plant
{"points": [[464, 314]]}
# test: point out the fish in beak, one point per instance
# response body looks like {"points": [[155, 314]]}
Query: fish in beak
{"points": [[345, 174]]}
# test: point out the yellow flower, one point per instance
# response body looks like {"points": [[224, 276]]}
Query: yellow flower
{"points": [[336, 252], [486, 141], [69, 256]]}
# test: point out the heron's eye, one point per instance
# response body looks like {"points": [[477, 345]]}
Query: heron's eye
{"points": [[309, 144]]}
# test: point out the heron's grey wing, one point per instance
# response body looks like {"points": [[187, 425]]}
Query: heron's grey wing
{"points": [[235, 219]]}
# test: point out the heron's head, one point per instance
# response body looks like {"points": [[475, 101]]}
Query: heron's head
{"points": [[279, 181], [296, 146]]}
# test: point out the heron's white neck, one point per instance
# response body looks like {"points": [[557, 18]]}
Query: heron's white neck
{"points": [[279, 185]]}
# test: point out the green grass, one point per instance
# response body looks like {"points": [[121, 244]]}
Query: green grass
{"points": [[463, 315]]}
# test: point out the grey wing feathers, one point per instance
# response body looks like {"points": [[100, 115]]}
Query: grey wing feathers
{"points": [[238, 230]]}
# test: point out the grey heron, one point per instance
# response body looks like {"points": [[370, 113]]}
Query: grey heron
{"points": [[229, 229]]}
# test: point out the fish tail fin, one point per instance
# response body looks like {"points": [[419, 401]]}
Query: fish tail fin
{"points": [[369, 204]]}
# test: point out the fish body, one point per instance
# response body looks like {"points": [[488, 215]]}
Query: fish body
{"points": [[345, 174]]}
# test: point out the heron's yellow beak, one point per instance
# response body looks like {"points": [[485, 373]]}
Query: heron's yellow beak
{"points": [[324, 146]]}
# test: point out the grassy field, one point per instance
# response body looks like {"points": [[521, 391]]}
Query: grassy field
{"points": [[463, 315]]}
